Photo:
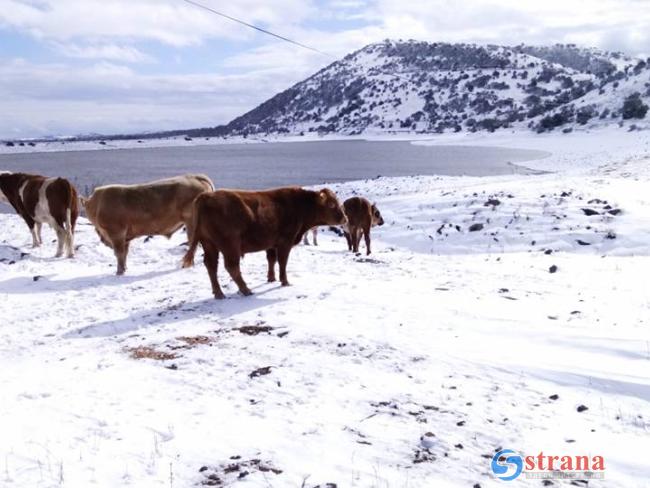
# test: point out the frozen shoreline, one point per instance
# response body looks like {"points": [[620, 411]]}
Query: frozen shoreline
{"points": [[463, 334]]}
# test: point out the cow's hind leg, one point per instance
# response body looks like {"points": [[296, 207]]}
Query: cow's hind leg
{"points": [[231, 260], [69, 234], [355, 234], [272, 258], [121, 249], [61, 238], [37, 232], [211, 262], [366, 236], [35, 240], [348, 239]]}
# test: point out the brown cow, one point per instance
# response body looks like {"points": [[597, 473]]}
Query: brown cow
{"points": [[362, 215], [38, 200], [236, 222], [121, 213]]}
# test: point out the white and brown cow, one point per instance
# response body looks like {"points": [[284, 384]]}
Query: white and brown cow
{"points": [[314, 236], [41, 200], [120, 213]]}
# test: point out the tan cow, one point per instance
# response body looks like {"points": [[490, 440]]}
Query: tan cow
{"points": [[236, 222], [41, 200], [120, 213], [362, 215]]}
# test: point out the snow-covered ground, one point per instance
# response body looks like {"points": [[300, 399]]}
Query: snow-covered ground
{"points": [[464, 334]]}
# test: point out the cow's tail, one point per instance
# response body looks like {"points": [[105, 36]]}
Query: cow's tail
{"points": [[188, 259]]}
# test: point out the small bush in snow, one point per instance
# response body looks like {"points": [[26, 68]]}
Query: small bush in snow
{"points": [[633, 107]]}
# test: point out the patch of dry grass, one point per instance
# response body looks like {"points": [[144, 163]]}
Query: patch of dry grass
{"points": [[148, 352], [192, 341]]}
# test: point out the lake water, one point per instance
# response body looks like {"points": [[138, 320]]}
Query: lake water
{"points": [[257, 166]]}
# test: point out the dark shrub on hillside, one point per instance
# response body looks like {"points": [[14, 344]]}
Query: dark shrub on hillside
{"points": [[584, 114], [550, 122], [490, 124], [634, 108]]}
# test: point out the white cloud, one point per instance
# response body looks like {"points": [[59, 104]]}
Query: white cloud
{"points": [[105, 95], [113, 52], [609, 24], [172, 22], [110, 98]]}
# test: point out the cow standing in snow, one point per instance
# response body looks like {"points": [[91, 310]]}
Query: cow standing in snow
{"points": [[120, 213], [41, 200], [362, 215], [234, 222]]}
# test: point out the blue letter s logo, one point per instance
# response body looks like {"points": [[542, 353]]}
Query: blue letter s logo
{"points": [[500, 469]]}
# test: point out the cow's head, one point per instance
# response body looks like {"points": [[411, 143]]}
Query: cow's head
{"points": [[330, 209], [377, 219]]}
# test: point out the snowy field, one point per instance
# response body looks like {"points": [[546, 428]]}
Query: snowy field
{"points": [[332, 382]]}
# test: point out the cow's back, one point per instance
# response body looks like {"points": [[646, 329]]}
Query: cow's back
{"points": [[357, 210], [158, 207]]}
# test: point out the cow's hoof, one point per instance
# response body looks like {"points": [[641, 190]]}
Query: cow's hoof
{"points": [[219, 296], [246, 292], [286, 283], [271, 279]]}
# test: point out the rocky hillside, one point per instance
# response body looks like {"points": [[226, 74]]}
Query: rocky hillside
{"points": [[439, 87]]}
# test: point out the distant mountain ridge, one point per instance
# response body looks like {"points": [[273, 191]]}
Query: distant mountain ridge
{"points": [[413, 86], [440, 87]]}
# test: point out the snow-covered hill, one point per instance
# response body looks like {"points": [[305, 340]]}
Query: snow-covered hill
{"points": [[423, 87]]}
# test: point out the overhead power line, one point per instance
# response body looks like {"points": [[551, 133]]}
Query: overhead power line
{"points": [[267, 32]]}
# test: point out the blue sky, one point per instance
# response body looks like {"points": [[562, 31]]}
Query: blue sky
{"points": [[80, 66]]}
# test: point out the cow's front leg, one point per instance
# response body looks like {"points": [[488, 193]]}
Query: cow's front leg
{"points": [[283, 258], [271, 258], [232, 265]]}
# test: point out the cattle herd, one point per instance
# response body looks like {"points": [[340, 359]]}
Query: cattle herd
{"points": [[227, 222]]}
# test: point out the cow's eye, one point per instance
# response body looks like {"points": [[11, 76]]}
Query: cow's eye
{"points": [[331, 205]]}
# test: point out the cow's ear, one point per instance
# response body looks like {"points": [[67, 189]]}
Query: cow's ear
{"points": [[323, 195]]}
